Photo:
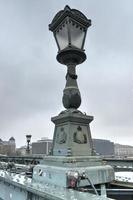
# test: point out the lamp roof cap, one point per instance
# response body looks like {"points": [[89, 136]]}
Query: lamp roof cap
{"points": [[73, 14]]}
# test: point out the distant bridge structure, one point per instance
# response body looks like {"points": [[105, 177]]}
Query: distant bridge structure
{"points": [[26, 159], [120, 164]]}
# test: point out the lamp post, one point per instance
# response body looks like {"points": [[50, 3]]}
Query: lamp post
{"points": [[28, 139], [69, 27]]}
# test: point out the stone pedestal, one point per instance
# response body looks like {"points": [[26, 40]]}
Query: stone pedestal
{"points": [[54, 170], [72, 136]]}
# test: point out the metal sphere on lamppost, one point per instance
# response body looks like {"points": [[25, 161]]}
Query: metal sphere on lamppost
{"points": [[69, 27], [28, 138]]}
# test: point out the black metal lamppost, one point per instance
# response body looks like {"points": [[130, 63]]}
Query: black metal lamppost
{"points": [[69, 27], [28, 139]]}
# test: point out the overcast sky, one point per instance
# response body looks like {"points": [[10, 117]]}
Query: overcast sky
{"points": [[32, 81]]}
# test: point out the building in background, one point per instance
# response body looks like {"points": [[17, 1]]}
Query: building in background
{"points": [[108, 148], [21, 151], [123, 150], [42, 146], [8, 147], [104, 147]]}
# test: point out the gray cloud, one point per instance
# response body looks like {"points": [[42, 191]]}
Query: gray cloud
{"points": [[31, 80]]}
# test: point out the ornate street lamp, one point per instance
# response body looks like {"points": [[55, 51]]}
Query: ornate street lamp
{"points": [[69, 27], [72, 133], [72, 162], [28, 138]]}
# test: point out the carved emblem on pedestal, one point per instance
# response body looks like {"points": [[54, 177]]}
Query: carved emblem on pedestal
{"points": [[61, 136], [79, 137]]}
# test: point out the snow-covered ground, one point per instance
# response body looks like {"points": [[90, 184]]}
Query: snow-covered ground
{"points": [[124, 176], [19, 178]]}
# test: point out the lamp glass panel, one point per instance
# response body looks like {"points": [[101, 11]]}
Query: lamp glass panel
{"points": [[62, 37], [77, 35]]}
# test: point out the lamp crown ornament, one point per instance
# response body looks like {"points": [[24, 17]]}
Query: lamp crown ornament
{"points": [[73, 14]]}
